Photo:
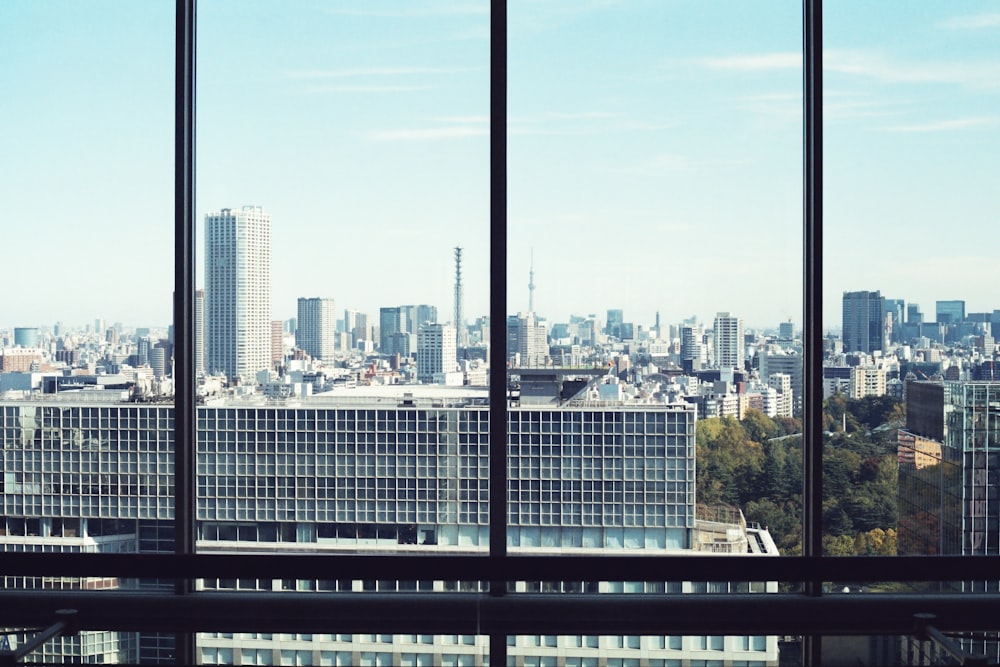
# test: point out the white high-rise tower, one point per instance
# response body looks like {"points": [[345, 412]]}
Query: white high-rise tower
{"points": [[238, 292], [728, 341], [317, 323]]}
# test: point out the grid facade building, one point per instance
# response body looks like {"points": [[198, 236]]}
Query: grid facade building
{"points": [[356, 474], [238, 292]]}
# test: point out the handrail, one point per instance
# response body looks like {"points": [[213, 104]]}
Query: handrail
{"points": [[511, 614], [561, 566]]}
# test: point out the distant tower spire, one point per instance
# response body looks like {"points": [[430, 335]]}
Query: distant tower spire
{"points": [[531, 283], [458, 297]]}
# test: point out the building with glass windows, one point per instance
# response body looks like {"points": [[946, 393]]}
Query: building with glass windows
{"points": [[863, 321], [383, 470]]}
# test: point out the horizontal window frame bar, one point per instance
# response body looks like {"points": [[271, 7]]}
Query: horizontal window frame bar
{"points": [[562, 567], [512, 614]]}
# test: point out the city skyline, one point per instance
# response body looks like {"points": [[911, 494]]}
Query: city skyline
{"points": [[653, 175]]}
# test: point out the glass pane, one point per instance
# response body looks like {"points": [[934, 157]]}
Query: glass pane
{"points": [[911, 135], [86, 307], [655, 219]]}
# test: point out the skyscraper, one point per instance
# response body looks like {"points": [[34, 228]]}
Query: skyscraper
{"points": [[616, 317], [238, 291], [728, 341], [864, 316], [390, 322], [896, 308], [316, 326]]}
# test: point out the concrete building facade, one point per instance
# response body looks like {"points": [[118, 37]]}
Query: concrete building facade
{"points": [[351, 474]]}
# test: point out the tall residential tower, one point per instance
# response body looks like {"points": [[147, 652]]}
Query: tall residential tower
{"points": [[728, 341], [238, 292]]}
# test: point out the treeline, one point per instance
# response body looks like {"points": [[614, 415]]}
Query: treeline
{"points": [[756, 464]]}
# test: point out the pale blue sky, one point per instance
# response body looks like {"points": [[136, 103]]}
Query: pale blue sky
{"points": [[654, 157]]}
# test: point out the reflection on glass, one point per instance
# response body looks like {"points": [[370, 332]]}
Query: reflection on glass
{"points": [[910, 134], [655, 214]]}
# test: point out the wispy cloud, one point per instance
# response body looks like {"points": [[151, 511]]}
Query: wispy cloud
{"points": [[430, 133], [979, 74], [446, 127], [353, 72], [462, 119], [434, 10], [845, 105], [949, 125], [755, 62], [319, 89], [871, 64], [974, 21], [582, 123]]}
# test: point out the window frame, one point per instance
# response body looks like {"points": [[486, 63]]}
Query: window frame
{"points": [[499, 614]]}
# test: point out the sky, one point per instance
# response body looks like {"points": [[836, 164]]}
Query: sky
{"points": [[654, 159]]}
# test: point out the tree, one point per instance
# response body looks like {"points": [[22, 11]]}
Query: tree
{"points": [[839, 545], [759, 427]]}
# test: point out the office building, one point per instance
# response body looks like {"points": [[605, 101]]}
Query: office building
{"points": [[19, 359], [143, 345], [412, 317], [863, 322], [693, 353], [158, 360], [407, 479], [773, 360], [362, 330], [728, 341], [390, 322], [277, 342], [436, 351], [786, 330], [238, 292], [949, 492], [613, 327], [949, 312], [532, 341], [894, 311], [317, 323]]}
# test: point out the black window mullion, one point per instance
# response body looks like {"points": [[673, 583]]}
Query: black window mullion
{"points": [[812, 355], [185, 422], [498, 309]]}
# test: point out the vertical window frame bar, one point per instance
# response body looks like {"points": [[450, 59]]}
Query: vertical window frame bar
{"points": [[812, 371], [498, 311], [185, 421]]}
